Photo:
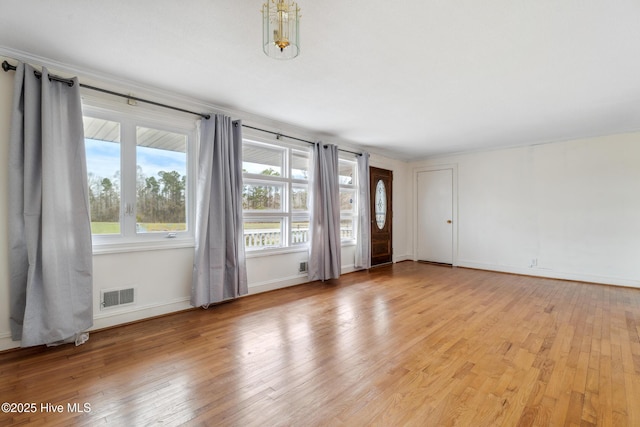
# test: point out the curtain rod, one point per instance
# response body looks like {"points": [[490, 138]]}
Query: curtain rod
{"points": [[8, 67], [278, 135]]}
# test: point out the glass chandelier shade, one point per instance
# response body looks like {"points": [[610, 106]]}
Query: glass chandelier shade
{"points": [[281, 29]]}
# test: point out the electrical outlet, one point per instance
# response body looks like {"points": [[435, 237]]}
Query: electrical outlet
{"points": [[534, 262]]}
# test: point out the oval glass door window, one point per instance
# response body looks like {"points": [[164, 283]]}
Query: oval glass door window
{"points": [[381, 204]]}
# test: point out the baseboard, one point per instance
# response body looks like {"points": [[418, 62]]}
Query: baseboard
{"points": [[551, 274], [348, 269], [105, 319], [6, 343], [272, 285], [400, 258]]}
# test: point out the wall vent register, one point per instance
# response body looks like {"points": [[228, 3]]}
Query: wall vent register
{"points": [[117, 297]]}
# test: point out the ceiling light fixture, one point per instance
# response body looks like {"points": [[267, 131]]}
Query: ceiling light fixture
{"points": [[280, 29]]}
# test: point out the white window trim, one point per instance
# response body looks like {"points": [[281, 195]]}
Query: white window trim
{"points": [[130, 117], [253, 137], [286, 212], [353, 215]]}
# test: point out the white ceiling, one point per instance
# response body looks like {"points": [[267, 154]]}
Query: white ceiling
{"points": [[414, 78]]}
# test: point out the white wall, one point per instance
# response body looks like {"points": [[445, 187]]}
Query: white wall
{"points": [[162, 278], [573, 206]]}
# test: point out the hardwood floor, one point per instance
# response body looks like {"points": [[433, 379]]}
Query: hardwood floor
{"points": [[408, 344]]}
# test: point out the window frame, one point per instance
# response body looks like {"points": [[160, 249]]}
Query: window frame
{"points": [[286, 213], [352, 215], [130, 118]]}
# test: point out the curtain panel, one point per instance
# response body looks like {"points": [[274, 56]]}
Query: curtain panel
{"points": [[325, 240], [363, 245], [50, 259], [219, 271]]}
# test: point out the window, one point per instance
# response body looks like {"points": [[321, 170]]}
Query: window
{"points": [[102, 144], [275, 195], [140, 175], [348, 199]]}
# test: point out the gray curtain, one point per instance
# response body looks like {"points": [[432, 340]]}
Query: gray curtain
{"points": [[219, 271], [325, 245], [363, 246], [50, 259]]}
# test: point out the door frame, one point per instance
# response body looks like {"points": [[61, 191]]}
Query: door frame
{"points": [[389, 219], [454, 172]]}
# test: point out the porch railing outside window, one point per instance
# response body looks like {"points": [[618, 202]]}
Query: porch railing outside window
{"points": [[276, 192], [270, 238]]}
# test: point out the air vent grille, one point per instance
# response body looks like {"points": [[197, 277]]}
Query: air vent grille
{"points": [[117, 297], [126, 296], [111, 298]]}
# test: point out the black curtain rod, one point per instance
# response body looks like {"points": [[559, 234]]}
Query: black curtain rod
{"points": [[8, 67], [278, 135]]}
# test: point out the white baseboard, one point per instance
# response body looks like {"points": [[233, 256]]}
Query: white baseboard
{"points": [[348, 269], [110, 318], [6, 342], [552, 274], [400, 258], [272, 285]]}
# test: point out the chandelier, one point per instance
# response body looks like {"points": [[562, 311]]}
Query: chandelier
{"points": [[280, 27]]}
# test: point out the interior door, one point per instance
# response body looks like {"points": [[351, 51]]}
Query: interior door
{"points": [[435, 216], [381, 215]]}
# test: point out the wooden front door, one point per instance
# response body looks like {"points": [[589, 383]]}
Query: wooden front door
{"points": [[381, 215]]}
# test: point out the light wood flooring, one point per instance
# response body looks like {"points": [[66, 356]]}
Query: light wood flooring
{"points": [[408, 344]]}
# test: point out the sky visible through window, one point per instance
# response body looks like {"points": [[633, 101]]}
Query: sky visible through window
{"points": [[103, 159], [257, 168]]}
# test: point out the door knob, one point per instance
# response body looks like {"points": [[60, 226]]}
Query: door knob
{"points": [[448, 221]]}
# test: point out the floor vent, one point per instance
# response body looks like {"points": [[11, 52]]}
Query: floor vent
{"points": [[302, 268], [117, 297]]}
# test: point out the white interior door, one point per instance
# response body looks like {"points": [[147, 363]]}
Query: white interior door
{"points": [[435, 216]]}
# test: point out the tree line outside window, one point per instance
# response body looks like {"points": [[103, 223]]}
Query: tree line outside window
{"points": [[160, 198]]}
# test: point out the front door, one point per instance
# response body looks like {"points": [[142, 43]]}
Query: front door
{"points": [[381, 215], [435, 216]]}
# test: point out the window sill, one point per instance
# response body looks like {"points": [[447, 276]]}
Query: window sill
{"points": [[275, 251], [114, 248], [287, 250]]}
